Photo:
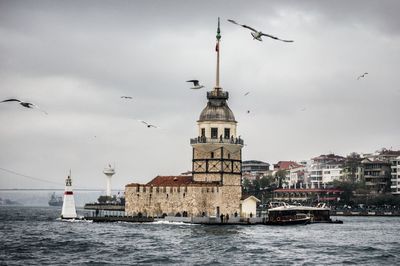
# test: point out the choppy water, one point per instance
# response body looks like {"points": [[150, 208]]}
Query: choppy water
{"points": [[34, 236]]}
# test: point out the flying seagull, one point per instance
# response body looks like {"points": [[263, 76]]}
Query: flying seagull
{"points": [[258, 34], [25, 104], [196, 84], [126, 97], [147, 124], [247, 93], [363, 75]]}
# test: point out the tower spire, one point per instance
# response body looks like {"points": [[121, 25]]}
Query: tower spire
{"points": [[217, 50]]}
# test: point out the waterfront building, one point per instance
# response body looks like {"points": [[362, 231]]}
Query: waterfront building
{"points": [[325, 169], [384, 177], [215, 186], [395, 179], [297, 176], [253, 169], [376, 175], [307, 194], [253, 166], [285, 166]]}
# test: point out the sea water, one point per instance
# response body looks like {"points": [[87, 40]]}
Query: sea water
{"points": [[36, 236]]}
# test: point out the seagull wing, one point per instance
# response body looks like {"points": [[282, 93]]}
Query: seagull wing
{"points": [[32, 105], [275, 38], [195, 82], [144, 122], [11, 100], [197, 87], [244, 26], [247, 93], [248, 27]]}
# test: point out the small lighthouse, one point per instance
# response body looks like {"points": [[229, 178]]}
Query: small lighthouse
{"points": [[68, 208], [109, 172]]}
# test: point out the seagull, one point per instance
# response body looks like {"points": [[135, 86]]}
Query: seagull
{"points": [[247, 93], [196, 84], [248, 111], [258, 34], [363, 75], [303, 109], [126, 97], [147, 124], [25, 104]]}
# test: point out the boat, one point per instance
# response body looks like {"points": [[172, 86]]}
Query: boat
{"points": [[55, 200], [281, 213], [287, 217]]}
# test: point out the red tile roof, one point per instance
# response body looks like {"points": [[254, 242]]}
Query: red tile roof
{"points": [[286, 165], [171, 181], [175, 181]]}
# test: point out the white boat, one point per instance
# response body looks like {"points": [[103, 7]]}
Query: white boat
{"points": [[282, 210]]}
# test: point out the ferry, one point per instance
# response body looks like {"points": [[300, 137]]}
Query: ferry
{"points": [[55, 200], [281, 213]]}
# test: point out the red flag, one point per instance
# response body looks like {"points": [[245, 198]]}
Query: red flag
{"points": [[217, 47]]}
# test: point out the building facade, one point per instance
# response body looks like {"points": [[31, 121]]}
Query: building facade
{"points": [[253, 166], [376, 175], [325, 169], [395, 179]]}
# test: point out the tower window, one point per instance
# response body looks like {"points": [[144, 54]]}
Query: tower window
{"points": [[203, 132], [214, 132], [212, 155], [227, 133]]}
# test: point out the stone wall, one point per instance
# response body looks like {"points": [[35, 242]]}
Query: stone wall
{"points": [[194, 200]]}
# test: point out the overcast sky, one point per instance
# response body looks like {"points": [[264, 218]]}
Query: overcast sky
{"points": [[75, 59]]}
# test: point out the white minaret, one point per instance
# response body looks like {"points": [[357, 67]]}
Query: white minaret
{"points": [[109, 172], [68, 208]]}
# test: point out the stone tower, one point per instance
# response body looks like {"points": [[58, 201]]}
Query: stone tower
{"points": [[217, 151]]}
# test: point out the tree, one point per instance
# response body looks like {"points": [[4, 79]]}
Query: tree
{"points": [[350, 167], [256, 184], [246, 184], [266, 181], [280, 176]]}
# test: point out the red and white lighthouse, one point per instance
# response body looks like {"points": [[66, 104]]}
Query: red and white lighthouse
{"points": [[68, 208]]}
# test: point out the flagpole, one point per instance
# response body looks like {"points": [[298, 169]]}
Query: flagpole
{"points": [[218, 38]]}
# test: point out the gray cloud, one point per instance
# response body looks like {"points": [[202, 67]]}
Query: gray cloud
{"points": [[76, 60]]}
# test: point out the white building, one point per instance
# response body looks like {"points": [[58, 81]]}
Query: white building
{"points": [[325, 169], [331, 173], [297, 175], [249, 207], [395, 180]]}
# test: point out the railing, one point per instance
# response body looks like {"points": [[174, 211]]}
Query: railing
{"points": [[217, 94], [217, 140]]}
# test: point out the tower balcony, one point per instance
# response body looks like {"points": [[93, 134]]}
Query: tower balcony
{"points": [[217, 94], [201, 140]]}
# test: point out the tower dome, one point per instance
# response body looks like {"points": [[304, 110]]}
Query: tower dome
{"points": [[217, 108]]}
